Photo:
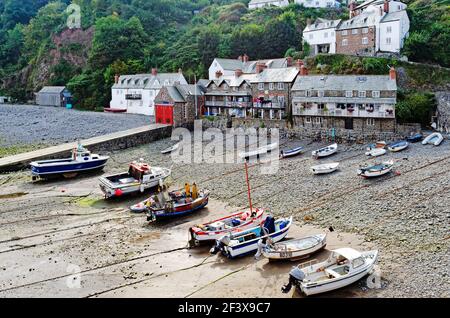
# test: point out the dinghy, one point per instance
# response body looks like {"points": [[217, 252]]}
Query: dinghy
{"points": [[216, 229], [325, 168], [376, 170], [259, 152], [170, 149], [345, 266], [291, 152], [398, 146], [415, 138], [295, 249], [82, 161], [433, 139], [378, 144], [245, 242], [179, 204], [376, 152], [325, 151]]}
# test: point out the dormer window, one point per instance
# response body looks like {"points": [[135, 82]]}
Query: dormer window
{"points": [[361, 94]]}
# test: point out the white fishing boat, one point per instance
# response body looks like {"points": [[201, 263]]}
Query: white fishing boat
{"points": [[376, 170], [291, 152], [398, 146], [259, 152], [296, 248], [433, 139], [325, 151], [376, 152], [378, 144], [325, 168], [245, 242], [345, 266], [170, 149]]}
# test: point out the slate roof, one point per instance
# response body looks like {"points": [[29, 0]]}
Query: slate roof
{"points": [[262, 1], [393, 16], [52, 89], [321, 24], [179, 93], [149, 81], [345, 82], [250, 66], [360, 21], [276, 75]]}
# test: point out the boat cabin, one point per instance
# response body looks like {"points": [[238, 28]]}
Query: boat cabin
{"points": [[141, 171], [346, 260]]}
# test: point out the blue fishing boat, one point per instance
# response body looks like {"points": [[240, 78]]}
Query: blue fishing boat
{"points": [[291, 152], [415, 138], [398, 146], [82, 161]]}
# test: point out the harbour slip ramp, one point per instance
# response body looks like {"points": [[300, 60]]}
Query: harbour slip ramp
{"points": [[115, 141]]}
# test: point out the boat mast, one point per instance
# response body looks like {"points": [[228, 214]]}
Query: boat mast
{"points": [[248, 187]]}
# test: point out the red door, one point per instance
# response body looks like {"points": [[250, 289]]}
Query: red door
{"points": [[164, 114]]}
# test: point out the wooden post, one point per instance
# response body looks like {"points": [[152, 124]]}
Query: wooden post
{"points": [[248, 187]]}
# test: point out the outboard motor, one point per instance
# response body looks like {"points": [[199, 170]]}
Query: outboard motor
{"points": [[220, 243], [296, 276]]}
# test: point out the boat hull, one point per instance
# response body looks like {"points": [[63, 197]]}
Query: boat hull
{"points": [[157, 215], [433, 139], [60, 167], [291, 153], [325, 152], [324, 169], [398, 146], [277, 255]]}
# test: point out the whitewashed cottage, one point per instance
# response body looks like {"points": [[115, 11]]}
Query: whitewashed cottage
{"points": [[255, 4], [321, 35], [136, 93], [319, 3]]}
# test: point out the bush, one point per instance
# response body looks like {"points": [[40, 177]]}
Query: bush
{"points": [[415, 107]]}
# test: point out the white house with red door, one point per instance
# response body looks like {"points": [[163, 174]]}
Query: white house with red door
{"points": [[136, 93]]}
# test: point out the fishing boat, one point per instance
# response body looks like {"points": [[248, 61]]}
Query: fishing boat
{"points": [[325, 168], [378, 144], [398, 146], [259, 152], [343, 267], [376, 152], [82, 161], [139, 178], [216, 229], [170, 149], [433, 139], [415, 138], [179, 204], [291, 152], [325, 151], [242, 243], [296, 248], [376, 170]]}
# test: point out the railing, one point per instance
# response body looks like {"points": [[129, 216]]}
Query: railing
{"points": [[269, 105], [227, 104], [342, 113]]}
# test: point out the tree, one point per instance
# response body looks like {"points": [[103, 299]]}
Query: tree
{"points": [[415, 108]]}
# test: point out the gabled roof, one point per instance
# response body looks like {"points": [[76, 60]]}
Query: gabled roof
{"points": [[394, 16], [52, 89], [274, 75], [345, 82], [179, 93], [250, 66], [365, 19], [321, 24]]}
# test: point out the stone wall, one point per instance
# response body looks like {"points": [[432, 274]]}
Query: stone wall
{"points": [[443, 111], [355, 45]]}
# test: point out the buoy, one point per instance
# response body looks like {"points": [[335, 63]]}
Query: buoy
{"points": [[118, 193]]}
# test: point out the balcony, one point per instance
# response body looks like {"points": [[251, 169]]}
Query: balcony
{"points": [[342, 113], [272, 105], [231, 104]]}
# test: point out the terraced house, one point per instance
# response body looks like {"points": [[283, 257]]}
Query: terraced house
{"points": [[352, 102]]}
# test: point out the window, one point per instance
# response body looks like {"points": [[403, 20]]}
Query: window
{"points": [[365, 30], [309, 93], [325, 35], [318, 120], [344, 42], [332, 33], [308, 120], [370, 122], [261, 86], [358, 262], [376, 94], [344, 32], [362, 94], [311, 36], [348, 94], [389, 29], [321, 93], [280, 86], [354, 31], [388, 41], [365, 41], [271, 86]]}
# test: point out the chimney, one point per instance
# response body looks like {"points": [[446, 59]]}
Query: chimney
{"points": [[240, 58], [392, 74], [219, 74], [245, 58], [116, 78], [289, 61], [154, 71], [238, 72], [260, 67], [303, 70], [386, 6], [299, 64], [352, 7]]}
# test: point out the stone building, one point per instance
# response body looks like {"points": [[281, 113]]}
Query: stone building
{"points": [[345, 102], [442, 118], [179, 105]]}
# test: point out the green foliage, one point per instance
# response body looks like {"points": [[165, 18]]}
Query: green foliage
{"points": [[415, 107]]}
